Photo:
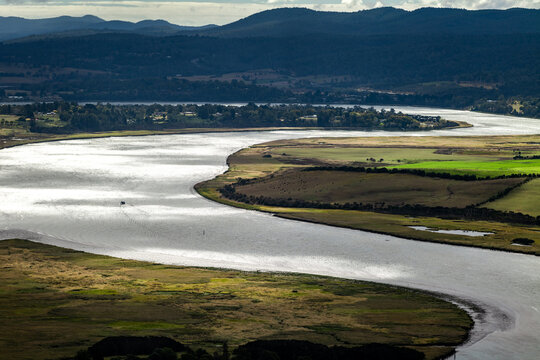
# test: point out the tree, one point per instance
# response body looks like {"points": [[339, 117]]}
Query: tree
{"points": [[82, 355], [163, 354], [323, 119], [226, 354], [33, 125]]}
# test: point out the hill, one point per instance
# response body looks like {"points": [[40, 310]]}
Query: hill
{"points": [[379, 60], [16, 27], [285, 22], [381, 21]]}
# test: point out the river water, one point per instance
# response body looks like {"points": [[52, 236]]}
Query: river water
{"points": [[68, 193]]}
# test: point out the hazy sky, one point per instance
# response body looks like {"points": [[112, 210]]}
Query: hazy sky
{"points": [[192, 12]]}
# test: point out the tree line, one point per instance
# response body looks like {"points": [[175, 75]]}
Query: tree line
{"points": [[416, 172], [75, 117], [164, 348]]}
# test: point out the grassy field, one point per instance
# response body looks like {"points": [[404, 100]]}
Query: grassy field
{"points": [[8, 120], [524, 199], [392, 189], [389, 155], [11, 127], [287, 156], [479, 168], [495, 146], [55, 301]]}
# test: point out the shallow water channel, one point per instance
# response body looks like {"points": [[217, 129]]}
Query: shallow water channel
{"points": [[68, 193]]}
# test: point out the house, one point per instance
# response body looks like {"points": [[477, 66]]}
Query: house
{"points": [[312, 118]]}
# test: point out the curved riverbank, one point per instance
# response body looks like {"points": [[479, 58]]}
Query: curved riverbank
{"points": [[211, 194], [256, 167]]}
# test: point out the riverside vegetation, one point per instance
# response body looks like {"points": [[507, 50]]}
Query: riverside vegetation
{"points": [[22, 124], [396, 186], [68, 118], [57, 302], [29, 123]]}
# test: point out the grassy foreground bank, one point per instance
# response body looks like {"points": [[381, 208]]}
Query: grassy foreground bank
{"points": [[55, 301], [277, 169]]}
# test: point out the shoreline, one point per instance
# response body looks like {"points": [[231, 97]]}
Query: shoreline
{"points": [[124, 133], [199, 187], [137, 133]]}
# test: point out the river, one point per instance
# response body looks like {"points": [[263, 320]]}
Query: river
{"points": [[68, 193]]}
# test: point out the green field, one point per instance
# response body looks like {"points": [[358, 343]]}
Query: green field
{"points": [[55, 302], [524, 199], [479, 168]]}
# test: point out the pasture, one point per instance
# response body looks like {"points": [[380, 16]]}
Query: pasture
{"points": [[364, 154], [369, 188], [524, 199], [479, 168]]}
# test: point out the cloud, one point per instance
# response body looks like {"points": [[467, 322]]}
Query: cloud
{"points": [[184, 13], [460, 4], [14, 2]]}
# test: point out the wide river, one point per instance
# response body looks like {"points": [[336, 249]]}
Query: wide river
{"points": [[68, 193]]}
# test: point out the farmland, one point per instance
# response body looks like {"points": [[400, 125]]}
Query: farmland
{"points": [[524, 199], [479, 168], [339, 188], [392, 189]]}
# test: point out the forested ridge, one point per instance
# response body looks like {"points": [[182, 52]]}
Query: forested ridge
{"points": [[378, 60]]}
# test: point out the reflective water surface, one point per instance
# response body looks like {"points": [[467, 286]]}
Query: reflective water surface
{"points": [[68, 193], [454, 232]]}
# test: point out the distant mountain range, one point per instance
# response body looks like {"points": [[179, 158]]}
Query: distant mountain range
{"points": [[381, 21], [444, 57], [16, 27], [287, 22]]}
